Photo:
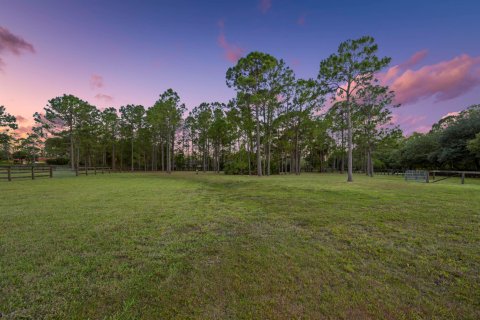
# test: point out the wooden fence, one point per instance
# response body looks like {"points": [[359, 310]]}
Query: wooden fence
{"points": [[25, 172], [92, 170], [444, 174]]}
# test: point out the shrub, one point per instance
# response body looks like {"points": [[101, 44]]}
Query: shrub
{"points": [[237, 163], [57, 161]]}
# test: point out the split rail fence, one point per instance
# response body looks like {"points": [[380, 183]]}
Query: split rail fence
{"points": [[25, 172]]}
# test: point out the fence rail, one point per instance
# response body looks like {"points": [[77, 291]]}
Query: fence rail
{"points": [[94, 170], [25, 172], [445, 174]]}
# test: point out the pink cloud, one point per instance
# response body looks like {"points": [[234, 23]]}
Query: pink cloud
{"points": [[422, 129], [265, 5], [443, 81], [22, 131], [232, 52], [301, 20], [104, 97], [410, 123], [96, 81], [451, 114], [392, 73], [13, 44], [21, 119], [414, 60], [410, 120]]}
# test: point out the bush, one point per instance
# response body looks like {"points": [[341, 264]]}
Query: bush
{"points": [[237, 164], [57, 161]]}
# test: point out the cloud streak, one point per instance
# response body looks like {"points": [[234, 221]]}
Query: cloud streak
{"points": [[96, 81], [411, 123], [301, 20], [232, 52], [13, 44], [104, 97], [21, 119], [264, 5], [442, 81]]}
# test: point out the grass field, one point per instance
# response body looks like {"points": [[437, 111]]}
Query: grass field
{"points": [[154, 246]]}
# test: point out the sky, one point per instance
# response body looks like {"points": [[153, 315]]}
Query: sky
{"points": [[113, 53]]}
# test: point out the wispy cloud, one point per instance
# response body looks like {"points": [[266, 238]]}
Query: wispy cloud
{"points": [[451, 114], [21, 119], [96, 81], [295, 62], [104, 97], [301, 20], [13, 44], [232, 52], [443, 81], [410, 123], [264, 5], [414, 60]]}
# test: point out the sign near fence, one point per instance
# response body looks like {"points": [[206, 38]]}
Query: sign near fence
{"points": [[416, 175]]}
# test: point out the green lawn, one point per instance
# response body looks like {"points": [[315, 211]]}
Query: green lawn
{"points": [[154, 246]]}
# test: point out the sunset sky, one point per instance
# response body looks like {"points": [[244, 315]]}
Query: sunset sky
{"points": [[113, 53]]}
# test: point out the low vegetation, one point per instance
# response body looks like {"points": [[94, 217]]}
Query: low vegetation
{"points": [[207, 246]]}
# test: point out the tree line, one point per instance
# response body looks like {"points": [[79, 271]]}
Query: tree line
{"points": [[276, 123]]}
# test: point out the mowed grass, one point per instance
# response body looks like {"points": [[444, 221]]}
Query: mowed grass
{"points": [[207, 246]]}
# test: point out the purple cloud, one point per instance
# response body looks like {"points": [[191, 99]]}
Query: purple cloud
{"points": [[96, 81], [13, 44], [443, 81], [104, 97], [265, 5], [232, 52]]}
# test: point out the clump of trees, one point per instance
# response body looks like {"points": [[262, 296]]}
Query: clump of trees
{"points": [[275, 124], [452, 144]]}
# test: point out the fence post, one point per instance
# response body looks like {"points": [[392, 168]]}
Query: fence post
{"points": [[9, 173], [33, 172], [463, 177], [76, 171], [86, 170], [95, 170], [51, 172], [427, 177], [433, 175]]}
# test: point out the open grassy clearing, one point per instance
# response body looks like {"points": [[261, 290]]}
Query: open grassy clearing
{"points": [[151, 246]]}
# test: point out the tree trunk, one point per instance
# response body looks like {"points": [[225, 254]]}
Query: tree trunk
{"points": [[132, 155], [249, 160], [269, 156], [163, 156], [172, 159], [121, 157], [350, 138], [72, 150], [113, 156], [370, 162], [168, 154], [259, 158], [204, 153], [297, 154], [153, 157]]}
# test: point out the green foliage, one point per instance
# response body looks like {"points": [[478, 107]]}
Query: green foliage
{"points": [[474, 145], [237, 163], [7, 120], [344, 73], [57, 161]]}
